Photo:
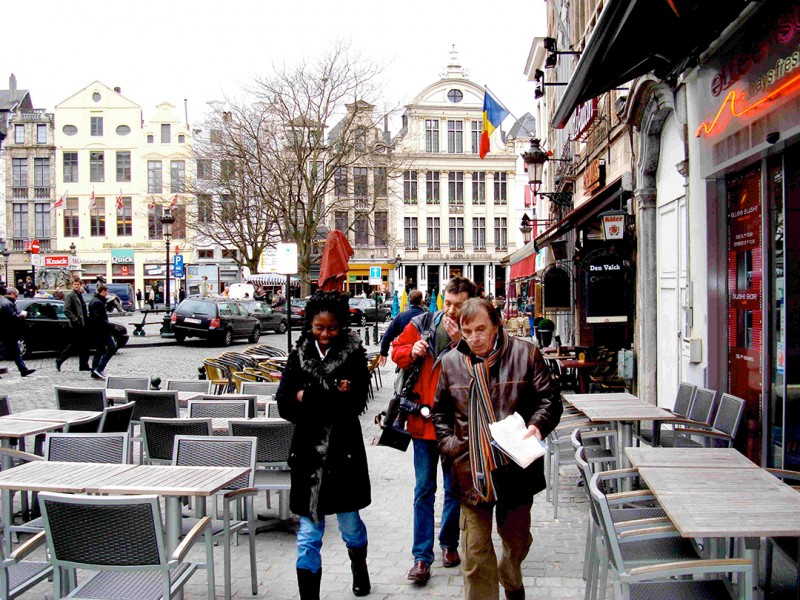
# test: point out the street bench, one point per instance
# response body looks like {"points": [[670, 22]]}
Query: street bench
{"points": [[139, 326]]}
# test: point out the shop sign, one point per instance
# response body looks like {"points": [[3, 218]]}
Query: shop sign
{"points": [[122, 257], [57, 261], [608, 289], [585, 116], [556, 285], [594, 176]]}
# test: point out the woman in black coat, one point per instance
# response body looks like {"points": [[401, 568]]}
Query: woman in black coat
{"points": [[323, 391]]}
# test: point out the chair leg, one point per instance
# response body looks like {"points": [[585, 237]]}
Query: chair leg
{"points": [[548, 476], [556, 480], [227, 548], [251, 540], [210, 580], [587, 552], [602, 574]]}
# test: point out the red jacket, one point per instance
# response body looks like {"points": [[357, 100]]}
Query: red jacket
{"points": [[421, 325]]}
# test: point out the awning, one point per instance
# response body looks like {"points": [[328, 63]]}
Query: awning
{"points": [[635, 37], [585, 212], [524, 268], [271, 279]]}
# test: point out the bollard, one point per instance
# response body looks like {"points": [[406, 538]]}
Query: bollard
{"points": [[366, 336]]}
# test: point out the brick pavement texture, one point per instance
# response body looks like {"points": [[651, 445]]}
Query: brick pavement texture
{"points": [[552, 570]]}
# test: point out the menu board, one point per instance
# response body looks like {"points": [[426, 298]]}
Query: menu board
{"points": [[745, 314], [607, 289]]}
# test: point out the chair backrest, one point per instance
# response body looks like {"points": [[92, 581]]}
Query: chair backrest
{"points": [[87, 447], [274, 438], [69, 398], [115, 382], [271, 411], [729, 414], [5, 406], [683, 399], [189, 385], [161, 404], [159, 435], [222, 409], [605, 523], [218, 451], [252, 404], [106, 531], [117, 419], [90, 425], [260, 389], [702, 405]]}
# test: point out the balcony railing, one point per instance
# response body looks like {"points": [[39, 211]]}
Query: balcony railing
{"points": [[41, 192], [19, 193], [23, 244], [34, 117]]}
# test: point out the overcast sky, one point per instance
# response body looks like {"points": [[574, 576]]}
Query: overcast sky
{"points": [[199, 50]]}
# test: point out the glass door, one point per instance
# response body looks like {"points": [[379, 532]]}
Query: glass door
{"points": [[776, 393]]}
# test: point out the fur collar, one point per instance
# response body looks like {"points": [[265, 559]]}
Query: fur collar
{"points": [[338, 354]]}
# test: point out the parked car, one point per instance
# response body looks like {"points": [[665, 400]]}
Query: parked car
{"points": [[122, 291], [46, 328], [216, 319], [298, 314], [268, 316], [357, 316], [367, 306]]}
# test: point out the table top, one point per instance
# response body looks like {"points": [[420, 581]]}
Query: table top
{"points": [[725, 502], [168, 480], [572, 398], [182, 396], [572, 363], [721, 458], [52, 476], [54, 414], [11, 427], [626, 412]]}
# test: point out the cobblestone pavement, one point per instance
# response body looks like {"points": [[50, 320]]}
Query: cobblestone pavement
{"points": [[552, 570]]}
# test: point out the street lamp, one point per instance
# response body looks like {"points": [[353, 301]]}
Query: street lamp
{"points": [[167, 220], [526, 228], [73, 249], [6, 253], [534, 159]]}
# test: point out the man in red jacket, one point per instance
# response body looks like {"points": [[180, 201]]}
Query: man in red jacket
{"points": [[429, 337]]}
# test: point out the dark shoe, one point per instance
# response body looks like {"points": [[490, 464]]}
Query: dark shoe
{"points": [[516, 594], [85, 368], [450, 558], [358, 565], [59, 362], [308, 584], [98, 374], [28, 372], [420, 573]]}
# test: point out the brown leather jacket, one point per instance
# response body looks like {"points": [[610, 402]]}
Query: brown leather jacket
{"points": [[520, 382]]}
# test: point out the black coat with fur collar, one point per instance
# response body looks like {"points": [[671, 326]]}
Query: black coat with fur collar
{"points": [[327, 458]]}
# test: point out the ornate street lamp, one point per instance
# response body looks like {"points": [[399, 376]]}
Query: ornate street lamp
{"points": [[6, 253], [534, 159], [167, 220], [526, 228]]}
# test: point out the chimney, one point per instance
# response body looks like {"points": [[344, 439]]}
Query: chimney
{"points": [[386, 135], [117, 89], [12, 85], [227, 117]]}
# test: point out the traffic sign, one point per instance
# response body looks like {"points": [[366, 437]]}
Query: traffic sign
{"points": [[34, 246], [375, 277], [37, 260], [287, 259], [177, 266]]}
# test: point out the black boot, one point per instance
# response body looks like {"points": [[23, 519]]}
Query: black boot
{"points": [[308, 583], [358, 565]]}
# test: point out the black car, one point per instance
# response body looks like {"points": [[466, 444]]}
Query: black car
{"points": [[367, 306], [217, 319], [297, 315], [357, 316], [46, 327], [269, 317]]}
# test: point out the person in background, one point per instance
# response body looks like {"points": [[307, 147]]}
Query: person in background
{"points": [[399, 323], [226, 291], [151, 297], [100, 332], [58, 294], [20, 287], [323, 390], [278, 299], [78, 314], [492, 377], [139, 299], [205, 288], [11, 323], [30, 287], [530, 312]]}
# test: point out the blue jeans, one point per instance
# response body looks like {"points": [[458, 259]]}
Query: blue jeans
{"points": [[103, 354], [426, 459], [309, 538]]}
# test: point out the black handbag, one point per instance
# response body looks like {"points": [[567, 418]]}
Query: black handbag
{"points": [[393, 419]]}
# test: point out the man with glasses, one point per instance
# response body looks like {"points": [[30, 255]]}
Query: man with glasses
{"points": [[492, 377], [429, 337]]}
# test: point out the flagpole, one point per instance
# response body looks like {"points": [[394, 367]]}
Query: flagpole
{"points": [[508, 110]]}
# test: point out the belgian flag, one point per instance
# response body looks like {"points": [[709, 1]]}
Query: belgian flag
{"points": [[493, 115]]}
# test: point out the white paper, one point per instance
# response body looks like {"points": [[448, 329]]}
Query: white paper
{"points": [[508, 436]]}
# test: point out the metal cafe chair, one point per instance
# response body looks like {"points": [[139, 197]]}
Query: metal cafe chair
{"points": [[222, 409], [723, 429], [17, 575], [251, 399], [90, 425], [117, 382], [68, 398], [117, 419], [122, 539], [788, 547], [260, 388], [680, 408], [157, 404], [699, 415], [200, 386], [158, 436], [225, 451]]}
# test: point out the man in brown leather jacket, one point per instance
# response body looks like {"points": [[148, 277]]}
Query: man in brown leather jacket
{"points": [[492, 377]]}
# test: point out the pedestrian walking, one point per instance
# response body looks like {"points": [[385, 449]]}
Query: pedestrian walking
{"points": [[151, 297], [21, 287], [100, 332], [278, 299], [530, 312], [430, 337], [205, 288], [11, 322], [323, 391], [78, 314], [493, 377], [30, 288], [139, 299], [399, 323]]}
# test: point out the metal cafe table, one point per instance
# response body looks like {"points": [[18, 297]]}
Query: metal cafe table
{"points": [[55, 414]]}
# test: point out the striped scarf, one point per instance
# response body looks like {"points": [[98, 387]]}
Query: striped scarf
{"points": [[483, 457]]}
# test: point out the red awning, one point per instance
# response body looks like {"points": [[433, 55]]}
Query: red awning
{"points": [[524, 268]]}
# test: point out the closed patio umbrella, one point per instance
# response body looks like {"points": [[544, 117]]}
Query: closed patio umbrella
{"points": [[395, 305], [404, 300], [335, 259], [440, 301], [434, 303]]}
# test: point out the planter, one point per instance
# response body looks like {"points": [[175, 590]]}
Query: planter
{"points": [[545, 337]]}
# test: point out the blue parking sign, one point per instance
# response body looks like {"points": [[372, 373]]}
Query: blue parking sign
{"points": [[177, 266]]}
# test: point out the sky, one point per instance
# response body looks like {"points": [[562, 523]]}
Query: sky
{"points": [[171, 50]]}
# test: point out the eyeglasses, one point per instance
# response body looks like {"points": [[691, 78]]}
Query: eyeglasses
{"points": [[476, 335]]}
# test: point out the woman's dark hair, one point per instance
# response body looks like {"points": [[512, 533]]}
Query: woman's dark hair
{"points": [[328, 302]]}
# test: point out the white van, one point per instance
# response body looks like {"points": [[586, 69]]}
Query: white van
{"points": [[237, 291]]}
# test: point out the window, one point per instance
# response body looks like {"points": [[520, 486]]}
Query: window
{"points": [[479, 233], [316, 171], [410, 187], [179, 227], [70, 167], [181, 139], [431, 135], [455, 137], [381, 188], [381, 229], [410, 233], [177, 176], [477, 131], [155, 230], [97, 218], [432, 193], [97, 166], [455, 187], [204, 168], [19, 134], [123, 130], [150, 138], [123, 166], [41, 134], [340, 221], [154, 178], [19, 173], [455, 96], [205, 254], [362, 230], [96, 128], [204, 209], [41, 222], [434, 234], [500, 232], [500, 188], [125, 218], [41, 173], [71, 218], [230, 254], [227, 169], [340, 182], [360, 184], [361, 140], [166, 133], [456, 233], [479, 188], [20, 218]]}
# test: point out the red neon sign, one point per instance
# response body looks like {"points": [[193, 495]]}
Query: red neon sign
{"points": [[730, 102]]}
